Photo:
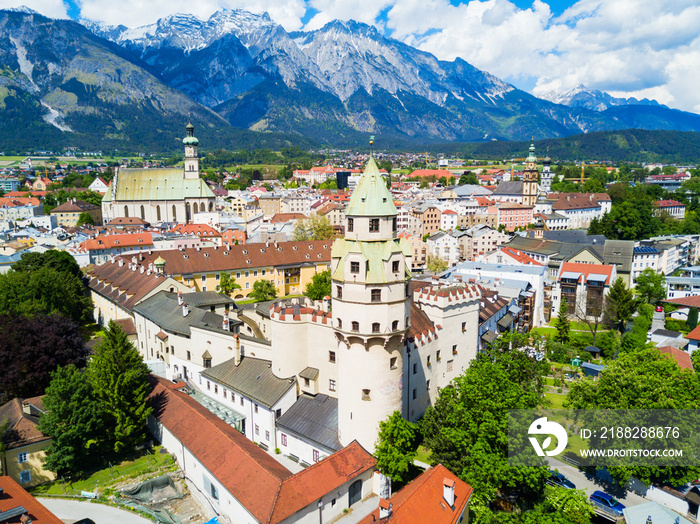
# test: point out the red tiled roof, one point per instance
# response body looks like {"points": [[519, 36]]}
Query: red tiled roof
{"points": [[680, 356], [19, 201], [437, 173], [119, 240], [286, 217], [201, 230], [691, 301], [74, 207], [668, 203], [422, 500], [694, 334], [261, 484], [23, 428], [587, 269], [15, 495], [127, 325], [520, 256]]}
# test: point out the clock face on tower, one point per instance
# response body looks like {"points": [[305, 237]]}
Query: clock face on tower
{"points": [[189, 151]]}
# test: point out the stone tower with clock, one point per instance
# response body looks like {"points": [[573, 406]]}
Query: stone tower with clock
{"points": [[530, 179], [191, 159], [370, 271]]}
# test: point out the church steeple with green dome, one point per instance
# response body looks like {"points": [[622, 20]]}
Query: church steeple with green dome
{"points": [[191, 159]]}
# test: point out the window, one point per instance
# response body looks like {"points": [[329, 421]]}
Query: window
{"points": [[340, 324], [414, 394], [339, 291], [204, 278], [393, 224], [216, 388], [427, 384], [351, 224], [306, 382], [255, 408], [22, 457], [331, 385], [267, 435], [207, 362], [373, 225], [331, 356], [437, 355], [427, 361], [450, 365], [316, 456], [283, 439], [263, 272], [189, 356], [241, 401], [395, 325], [365, 394], [225, 393], [392, 363], [247, 274], [415, 368], [376, 295], [238, 274], [375, 327], [354, 267], [257, 429], [356, 327], [208, 385], [255, 273], [278, 413], [25, 476], [395, 266], [454, 349], [247, 285], [217, 276]]}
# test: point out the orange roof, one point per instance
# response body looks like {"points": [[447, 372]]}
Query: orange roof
{"points": [[19, 201], [15, 495], [423, 501], [681, 357], [586, 270], [13, 194], [119, 240], [261, 484], [694, 334], [691, 301], [449, 212], [286, 217], [196, 229], [520, 256]]}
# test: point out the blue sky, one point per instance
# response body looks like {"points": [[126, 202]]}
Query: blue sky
{"points": [[640, 48]]}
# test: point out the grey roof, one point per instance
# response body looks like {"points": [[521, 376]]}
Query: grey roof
{"points": [[533, 245], [619, 253], [513, 187], [163, 309], [314, 418], [309, 372], [574, 236], [489, 336], [570, 275], [470, 189], [252, 378], [666, 333], [207, 298], [594, 277]]}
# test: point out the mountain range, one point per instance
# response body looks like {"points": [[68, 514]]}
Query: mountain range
{"points": [[238, 73]]}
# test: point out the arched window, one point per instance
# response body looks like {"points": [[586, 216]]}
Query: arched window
{"points": [[196, 208], [158, 213], [356, 326], [126, 211], [340, 324], [143, 213], [174, 214], [211, 206], [375, 327], [187, 212]]}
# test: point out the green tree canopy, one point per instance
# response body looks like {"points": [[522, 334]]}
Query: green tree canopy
{"points": [[467, 428], [263, 290], [316, 227], [468, 178], [561, 323], [59, 260], [651, 286], [119, 378], [620, 305], [73, 420], [320, 286], [396, 447], [227, 284], [85, 218], [436, 264]]}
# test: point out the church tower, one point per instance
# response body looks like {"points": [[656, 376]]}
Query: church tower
{"points": [[530, 175], [546, 175], [191, 158], [370, 271]]}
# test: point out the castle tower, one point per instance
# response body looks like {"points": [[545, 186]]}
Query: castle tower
{"points": [[530, 176], [546, 175], [370, 271], [191, 159]]}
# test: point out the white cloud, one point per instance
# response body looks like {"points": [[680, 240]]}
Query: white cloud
{"points": [[50, 8]]}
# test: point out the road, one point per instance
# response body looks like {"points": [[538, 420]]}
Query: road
{"points": [[70, 511], [590, 484], [658, 322]]}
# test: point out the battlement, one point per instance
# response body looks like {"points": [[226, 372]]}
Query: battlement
{"points": [[302, 310], [444, 295]]}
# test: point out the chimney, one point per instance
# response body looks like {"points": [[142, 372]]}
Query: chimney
{"points": [[121, 262], [225, 325], [134, 259], [185, 309], [384, 509], [326, 304], [448, 491], [237, 356], [179, 298]]}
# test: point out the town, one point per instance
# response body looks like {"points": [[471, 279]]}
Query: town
{"points": [[339, 340]]}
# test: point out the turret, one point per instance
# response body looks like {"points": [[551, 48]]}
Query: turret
{"points": [[191, 159]]}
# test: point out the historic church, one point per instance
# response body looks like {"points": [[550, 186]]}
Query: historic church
{"points": [[160, 195]]}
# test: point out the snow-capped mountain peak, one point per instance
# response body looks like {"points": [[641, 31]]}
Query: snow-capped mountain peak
{"points": [[581, 96]]}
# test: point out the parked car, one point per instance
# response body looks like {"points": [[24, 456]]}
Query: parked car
{"points": [[607, 503], [659, 308], [557, 479]]}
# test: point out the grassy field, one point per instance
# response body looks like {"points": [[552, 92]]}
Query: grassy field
{"points": [[556, 401], [154, 462], [423, 454]]}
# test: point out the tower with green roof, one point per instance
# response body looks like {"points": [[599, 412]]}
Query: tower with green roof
{"points": [[191, 159], [370, 271], [530, 179]]}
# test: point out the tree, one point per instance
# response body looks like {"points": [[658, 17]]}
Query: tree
{"points": [[468, 178], [620, 305], [651, 286], [591, 312], [642, 380], [119, 378], [572, 504], [73, 420], [692, 318], [85, 218], [32, 348], [435, 264], [263, 290], [59, 260], [561, 323], [320, 286], [467, 428], [227, 284], [45, 290], [385, 164], [316, 227], [396, 447]]}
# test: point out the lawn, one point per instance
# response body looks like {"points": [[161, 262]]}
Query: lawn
{"points": [[423, 454], [154, 463], [555, 400]]}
